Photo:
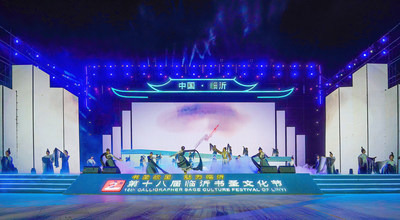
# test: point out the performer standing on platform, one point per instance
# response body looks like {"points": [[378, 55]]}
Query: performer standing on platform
{"points": [[64, 157], [47, 161], [330, 163], [390, 166], [109, 159], [91, 162], [245, 151], [263, 160], [225, 155], [152, 167], [7, 165], [291, 163]]}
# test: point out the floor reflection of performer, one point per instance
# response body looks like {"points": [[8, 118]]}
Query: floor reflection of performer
{"points": [[390, 166], [226, 157], [184, 164], [47, 162], [7, 165], [263, 160], [109, 159], [152, 167], [141, 162]]}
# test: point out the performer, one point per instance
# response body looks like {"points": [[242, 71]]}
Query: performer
{"points": [[142, 161], [390, 166], [365, 164], [109, 159], [64, 157], [47, 161], [238, 158], [183, 163], [152, 167], [213, 150], [191, 158], [90, 162], [330, 163], [245, 151], [317, 161], [225, 155], [7, 165], [229, 149], [263, 161]]}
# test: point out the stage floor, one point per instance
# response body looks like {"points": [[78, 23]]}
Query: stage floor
{"points": [[337, 206]]}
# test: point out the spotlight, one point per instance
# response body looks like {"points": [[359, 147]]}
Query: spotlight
{"points": [[37, 56], [364, 54], [16, 54], [349, 66], [384, 52], [384, 39], [16, 41]]}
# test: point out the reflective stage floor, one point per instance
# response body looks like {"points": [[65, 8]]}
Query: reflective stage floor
{"points": [[335, 206]]}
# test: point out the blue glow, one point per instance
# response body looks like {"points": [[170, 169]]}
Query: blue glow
{"points": [[384, 39], [384, 52], [16, 41], [349, 66], [365, 54], [37, 56], [16, 54]]}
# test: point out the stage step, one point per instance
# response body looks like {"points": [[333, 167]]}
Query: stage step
{"points": [[30, 183], [339, 184]]}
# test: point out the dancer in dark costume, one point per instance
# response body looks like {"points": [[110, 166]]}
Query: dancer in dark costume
{"points": [[7, 165], [47, 162], [64, 157], [109, 159], [152, 167], [263, 160], [229, 149], [184, 164], [390, 166]]}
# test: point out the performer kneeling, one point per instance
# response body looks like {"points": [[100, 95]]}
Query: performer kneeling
{"points": [[390, 166], [183, 163], [152, 166], [263, 160], [109, 159], [7, 165], [64, 157]]}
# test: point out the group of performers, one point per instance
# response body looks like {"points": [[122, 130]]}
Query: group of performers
{"points": [[7, 165], [49, 159]]}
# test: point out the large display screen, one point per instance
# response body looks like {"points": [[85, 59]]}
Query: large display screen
{"points": [[168, 126]]}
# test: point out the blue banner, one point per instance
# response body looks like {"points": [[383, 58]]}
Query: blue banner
{"points": [[194, 184]]}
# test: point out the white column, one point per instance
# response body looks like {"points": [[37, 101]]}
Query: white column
{"points": [[291, 141], [126, 130], [116, 141], [301, 150], [281, 132]]}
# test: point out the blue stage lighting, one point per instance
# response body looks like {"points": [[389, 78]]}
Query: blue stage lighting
{"points": [[16, 54], [384, 39], [384, 52], [111, 74], [349, 77], [54, 67], [94, 74], [16, 41], [127, 74], [261, 65], [110, 66], [37, 56], [364, 54], [311, 74], [349, 66], [54, 77]]}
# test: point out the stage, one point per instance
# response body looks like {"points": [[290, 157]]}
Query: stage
{"points": [[337, 206]]}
